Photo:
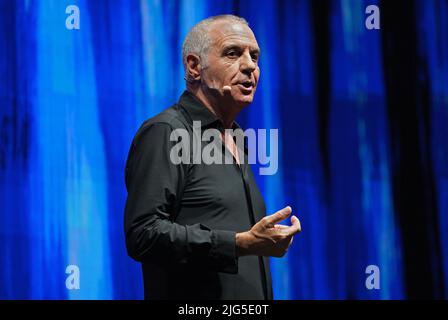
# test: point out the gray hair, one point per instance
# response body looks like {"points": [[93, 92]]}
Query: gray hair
{"points": [[198, 41]]}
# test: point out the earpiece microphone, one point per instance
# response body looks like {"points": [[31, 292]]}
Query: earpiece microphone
{"points": [[226, 89]]}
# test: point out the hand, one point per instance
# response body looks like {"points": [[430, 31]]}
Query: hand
{"points": [[267, 238]]}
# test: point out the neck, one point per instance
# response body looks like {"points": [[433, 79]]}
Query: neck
{"points": [[217, 105]]}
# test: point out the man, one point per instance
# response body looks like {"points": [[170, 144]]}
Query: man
{"points": [[193, 226]]}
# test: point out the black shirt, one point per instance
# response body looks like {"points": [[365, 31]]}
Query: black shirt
{"points": [[181, 219]]}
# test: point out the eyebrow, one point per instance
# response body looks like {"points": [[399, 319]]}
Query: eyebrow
{"points": [[235, 46]]}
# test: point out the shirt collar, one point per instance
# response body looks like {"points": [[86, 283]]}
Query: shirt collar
{"points": [[198, 112]]}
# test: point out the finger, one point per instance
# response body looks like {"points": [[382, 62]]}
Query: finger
{"points": [[295, 227], [279, 215], [282, 229], [281, 226]]}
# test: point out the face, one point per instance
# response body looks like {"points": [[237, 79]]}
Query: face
{"points": [[232, 61]]}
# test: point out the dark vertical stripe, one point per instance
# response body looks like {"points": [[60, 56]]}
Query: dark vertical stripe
{"points": [[407, 89], [320, 11]]}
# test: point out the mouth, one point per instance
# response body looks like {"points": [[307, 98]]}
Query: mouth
{"points": [[246, 86]]}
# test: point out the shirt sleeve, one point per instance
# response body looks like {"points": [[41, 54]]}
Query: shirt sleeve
{"points": [[154, 184]]}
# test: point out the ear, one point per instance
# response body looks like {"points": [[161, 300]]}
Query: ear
{"points": [[193, 67]]}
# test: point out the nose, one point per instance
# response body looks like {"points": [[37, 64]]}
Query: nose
{"points": [[247, 65]]}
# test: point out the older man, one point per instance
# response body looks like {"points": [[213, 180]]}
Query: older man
{"points": [[193, 226]]}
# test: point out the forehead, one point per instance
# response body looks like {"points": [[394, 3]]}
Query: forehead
{"points": [[225, 33]]}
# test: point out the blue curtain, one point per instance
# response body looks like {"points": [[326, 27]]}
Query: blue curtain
{"points": [[357, 174]]}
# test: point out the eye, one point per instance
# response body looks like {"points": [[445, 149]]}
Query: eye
{"points": [[255, 56], [232, 53]]}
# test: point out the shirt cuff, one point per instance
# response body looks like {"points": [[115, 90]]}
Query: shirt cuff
{"points": [[223, 251]]}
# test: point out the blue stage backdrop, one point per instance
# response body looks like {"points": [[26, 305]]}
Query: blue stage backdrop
{"points": [[363, 157]]}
